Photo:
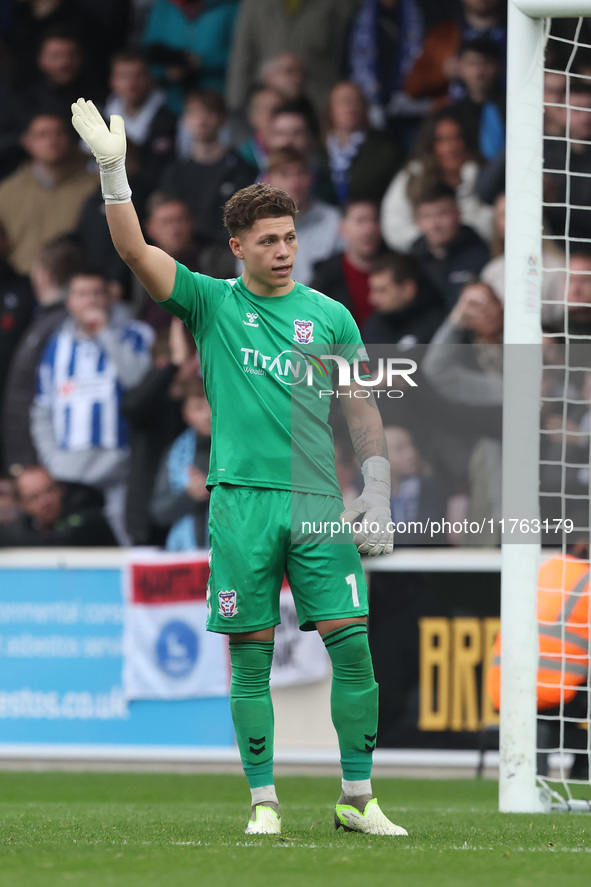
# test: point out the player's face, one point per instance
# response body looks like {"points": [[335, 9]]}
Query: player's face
{"points": [[268, 251]]}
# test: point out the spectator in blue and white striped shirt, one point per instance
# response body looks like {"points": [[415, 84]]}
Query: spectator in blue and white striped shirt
{"points": [[76, 421]]}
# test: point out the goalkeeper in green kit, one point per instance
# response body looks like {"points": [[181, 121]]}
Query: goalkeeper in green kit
{"points": [[266, 344]]}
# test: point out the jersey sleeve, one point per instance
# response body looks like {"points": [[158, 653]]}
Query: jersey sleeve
{"points": [[195, 298], [351, 345]]}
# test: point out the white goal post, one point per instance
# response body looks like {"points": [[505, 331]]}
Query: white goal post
{"points": [[519, 788]]}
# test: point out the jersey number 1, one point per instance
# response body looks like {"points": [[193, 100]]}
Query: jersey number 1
{"points": [[351, 580]]}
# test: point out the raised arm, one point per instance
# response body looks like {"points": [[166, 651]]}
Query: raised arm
{"points": [[154, 268]]}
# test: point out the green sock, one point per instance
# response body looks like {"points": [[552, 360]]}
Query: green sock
{"points": [[354, 699], [252, 709]]}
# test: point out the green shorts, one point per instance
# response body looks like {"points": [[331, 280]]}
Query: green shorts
{"points": [[257, 537]]}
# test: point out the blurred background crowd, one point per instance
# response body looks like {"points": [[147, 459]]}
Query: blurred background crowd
{"points": [[385, 121]]}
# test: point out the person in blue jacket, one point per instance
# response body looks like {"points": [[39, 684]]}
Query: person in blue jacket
{"points": [[188, 42]]}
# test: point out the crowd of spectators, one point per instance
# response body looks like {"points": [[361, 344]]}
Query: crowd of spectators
{"points": [[385, 121]]}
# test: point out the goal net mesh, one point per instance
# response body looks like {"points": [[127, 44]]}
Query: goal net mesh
{"points": [[564, 598]]}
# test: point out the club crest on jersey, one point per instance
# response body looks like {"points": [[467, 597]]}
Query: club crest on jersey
{"points": [[304, 330], [227, 601], [251, 319]]}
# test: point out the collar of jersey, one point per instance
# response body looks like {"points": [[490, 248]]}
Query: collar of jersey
{"points": [[268, 299]]}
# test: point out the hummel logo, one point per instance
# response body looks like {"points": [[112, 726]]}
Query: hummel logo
{"points": [[251, 319], [260, 742]]}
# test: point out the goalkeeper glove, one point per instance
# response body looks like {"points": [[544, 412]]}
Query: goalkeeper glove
{"points": [[107, 145], [376, 535]]}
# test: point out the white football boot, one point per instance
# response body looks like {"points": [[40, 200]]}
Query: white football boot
{"points": [[264, 820], [364, 815]]}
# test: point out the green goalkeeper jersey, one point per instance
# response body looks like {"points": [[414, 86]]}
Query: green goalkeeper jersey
{"points": [[265, 379]]}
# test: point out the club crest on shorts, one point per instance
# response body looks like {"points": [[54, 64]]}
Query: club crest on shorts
{"points": [[227, 601], [304, 330]]}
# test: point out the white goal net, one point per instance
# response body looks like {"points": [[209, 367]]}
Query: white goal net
{"points": [[545, 742], [563, 592]]}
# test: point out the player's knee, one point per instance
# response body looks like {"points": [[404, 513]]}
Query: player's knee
{"points": [[348, 647], [328, 626]]}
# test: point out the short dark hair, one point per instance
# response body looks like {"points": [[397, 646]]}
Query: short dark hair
{"points": [[88, 270], [257, 88], [401, 266], [355, 201], [485, 46], [59, 32], [283, 156], [209, 98], [430, 192], [62, 258], [301, 108], [28, 119], [162, 198], [25, 470], [129, 54], [259, 201]]}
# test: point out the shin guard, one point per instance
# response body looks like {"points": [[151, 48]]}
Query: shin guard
{"points": [[354, 699], [252, 709]]}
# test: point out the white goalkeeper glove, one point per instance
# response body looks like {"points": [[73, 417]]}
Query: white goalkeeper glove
{"points": [[375, 535], [107, 145]]}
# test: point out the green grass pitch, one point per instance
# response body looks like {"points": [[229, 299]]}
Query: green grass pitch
{"points": [[155, 830]]}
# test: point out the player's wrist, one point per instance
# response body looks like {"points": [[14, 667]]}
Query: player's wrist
{"points": [[376, 468], [376, 478], [114, 184]]}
